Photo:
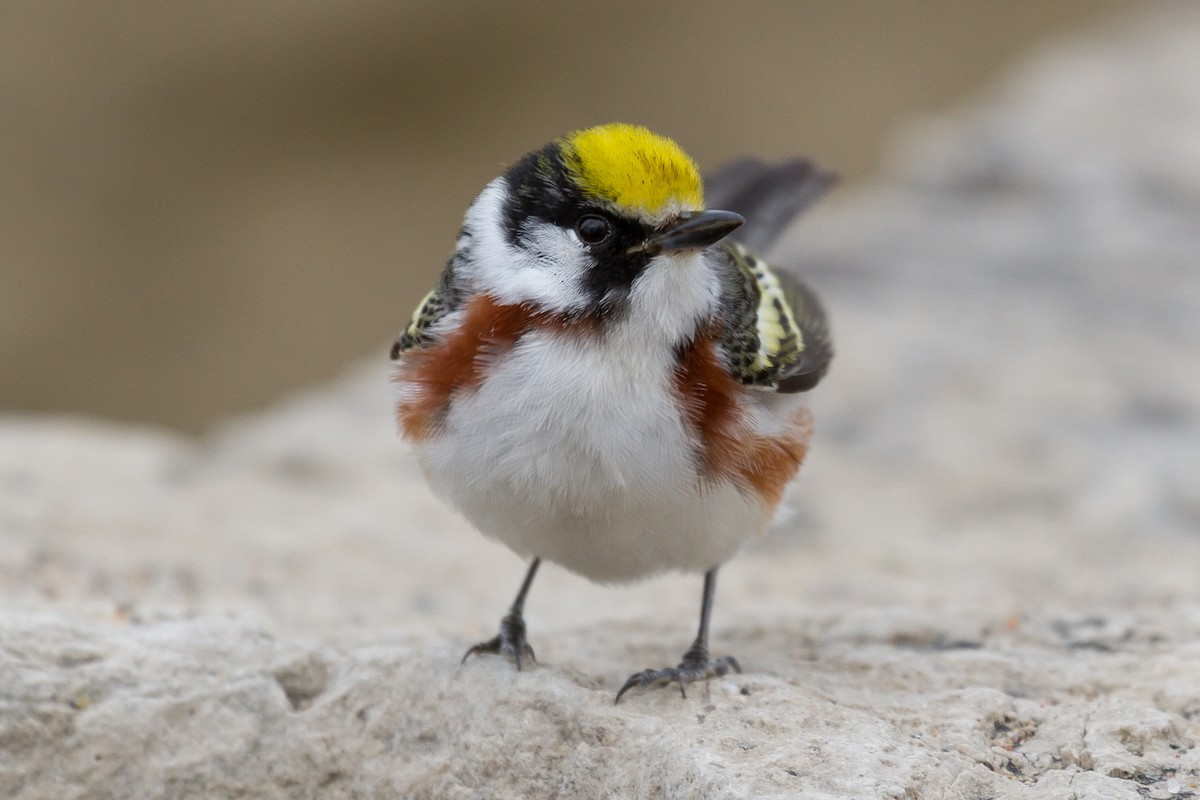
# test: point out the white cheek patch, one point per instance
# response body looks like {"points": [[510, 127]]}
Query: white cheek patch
{"points": [[548, 270]]}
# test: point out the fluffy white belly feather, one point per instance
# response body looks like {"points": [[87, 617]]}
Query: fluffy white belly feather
{"points": [[578, 452]]}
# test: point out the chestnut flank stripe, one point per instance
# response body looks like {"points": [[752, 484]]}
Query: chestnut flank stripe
{"points": [[729, 450], [456, 364]]}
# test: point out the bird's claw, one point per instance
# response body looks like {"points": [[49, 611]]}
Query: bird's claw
{"points": [[695, 666], [509, 642]]}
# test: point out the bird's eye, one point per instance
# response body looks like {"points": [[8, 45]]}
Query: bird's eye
{"points": [[593, 229]]}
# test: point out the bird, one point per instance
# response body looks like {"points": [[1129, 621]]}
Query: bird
{"points": [[606, 377]]}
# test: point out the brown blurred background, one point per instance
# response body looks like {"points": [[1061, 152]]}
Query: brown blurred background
{"points": [[205, 206]]}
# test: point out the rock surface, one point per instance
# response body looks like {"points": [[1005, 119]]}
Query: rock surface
{"points": [[989, 586]]}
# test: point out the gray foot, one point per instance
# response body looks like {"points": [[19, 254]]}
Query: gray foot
{"points": [[509, 642], [696, 666]]}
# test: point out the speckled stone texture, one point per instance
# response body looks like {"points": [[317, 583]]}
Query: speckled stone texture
{"points": [[989, 586]]}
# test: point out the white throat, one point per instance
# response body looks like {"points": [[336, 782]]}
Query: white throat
{"points": [[671, 297]]}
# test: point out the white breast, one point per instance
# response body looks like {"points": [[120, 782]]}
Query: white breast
{"points": [[576, 449]]}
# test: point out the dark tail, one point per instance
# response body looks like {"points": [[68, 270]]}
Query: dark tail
{"points": [[769, 196]]}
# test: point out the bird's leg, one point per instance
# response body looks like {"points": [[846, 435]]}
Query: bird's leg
{"points": [[511, 639], [696, 664]]}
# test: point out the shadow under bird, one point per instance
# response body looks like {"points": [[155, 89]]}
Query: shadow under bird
{"points": [[607, 376]]}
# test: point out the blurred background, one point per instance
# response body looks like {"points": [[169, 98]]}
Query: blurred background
{"points": [[207, 205]]}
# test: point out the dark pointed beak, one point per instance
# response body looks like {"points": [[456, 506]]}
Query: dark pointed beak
{"points": [[695, 230]]}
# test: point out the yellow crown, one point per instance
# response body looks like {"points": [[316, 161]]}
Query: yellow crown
{"points": [[633, 169]]}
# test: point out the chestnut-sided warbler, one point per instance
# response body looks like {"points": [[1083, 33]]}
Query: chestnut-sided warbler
{"points": [[602, 379]]}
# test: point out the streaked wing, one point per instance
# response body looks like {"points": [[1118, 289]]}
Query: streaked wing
{"points": [[817, 352], [431, 308], [447, 297], [776, 333]]}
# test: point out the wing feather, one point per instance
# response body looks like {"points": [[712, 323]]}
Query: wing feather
{"points": [[817, 351], [776, 333], [432, 308]]}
